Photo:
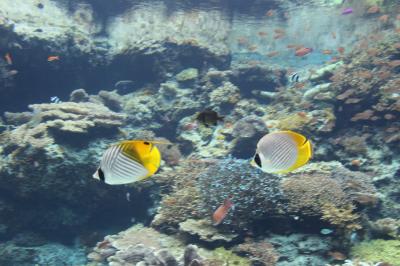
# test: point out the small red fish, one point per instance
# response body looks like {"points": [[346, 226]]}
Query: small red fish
{"points": [[221, 212], [262, 33], [53, 58], [303, 51], [270, 13], [8, 58], [327, 51], [384, 18], [273, 53], [340, 50], [373, 10]]}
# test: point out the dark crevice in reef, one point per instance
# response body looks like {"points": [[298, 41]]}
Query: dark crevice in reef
{"points": [[38, 80]]}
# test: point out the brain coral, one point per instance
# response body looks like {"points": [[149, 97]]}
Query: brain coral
{"points": [[253, 192]]}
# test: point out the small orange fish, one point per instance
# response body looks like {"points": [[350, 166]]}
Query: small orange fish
{"points": [[278, 36], [8, 58], [279, 31], [252, 48], [302, 114], [327, 51], [53, 58], [242, 41], [384, 18], [340, 50], [299, 85], [221, 212], [270, 13], [394, 63], [273, 53], [336, 255], [262, 33], [303, 51], [373, 10]]}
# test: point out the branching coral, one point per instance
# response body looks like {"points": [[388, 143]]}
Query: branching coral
{"points": [[343, 217]]}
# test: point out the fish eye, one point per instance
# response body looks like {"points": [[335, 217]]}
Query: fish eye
{"points": [[257, 160], [146, 143]]}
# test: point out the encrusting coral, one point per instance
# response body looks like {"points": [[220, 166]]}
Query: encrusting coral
{"points": [[259, 252], [330, 191], [253, 192], [48, 120]]}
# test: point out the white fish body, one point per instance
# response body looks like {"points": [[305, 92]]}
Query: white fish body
{"points": [[282, 152], [117, 168]]}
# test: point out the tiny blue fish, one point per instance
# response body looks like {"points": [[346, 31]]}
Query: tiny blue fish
{"points": [[326, 231], [55, 99]]}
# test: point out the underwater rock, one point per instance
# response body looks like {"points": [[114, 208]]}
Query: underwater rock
{"points": [[170, 154], [386, 227], [190, 256], [48, 121], [246, 133], [111, 99], [76, 117], [79, 95], [144, 246], [186, 75], [205, 231], [300, 249], [226, 94], [248, 78], [260, 252]]}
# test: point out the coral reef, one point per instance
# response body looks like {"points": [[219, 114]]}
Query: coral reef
{"points": [[50, 121], [375, 251], [145, 246], [300, 249], [386, 227], [260, 252], [205, 231], [253, 192]]}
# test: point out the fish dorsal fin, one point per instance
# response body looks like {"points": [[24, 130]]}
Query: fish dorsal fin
{"points": [[143, 152], [304, 149]]}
